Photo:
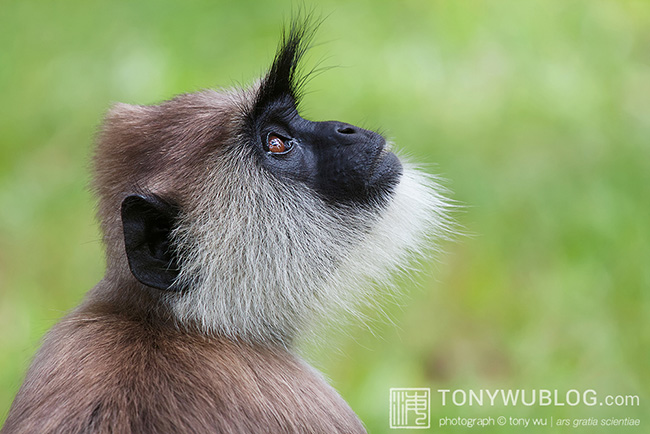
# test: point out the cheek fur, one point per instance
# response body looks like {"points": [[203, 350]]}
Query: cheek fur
{"points": [[262, 263]]}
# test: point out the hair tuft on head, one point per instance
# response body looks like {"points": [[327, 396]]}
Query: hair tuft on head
{"points": [[284, 78]]}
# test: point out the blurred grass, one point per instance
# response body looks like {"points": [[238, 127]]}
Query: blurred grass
{"points": [[537, 112]]}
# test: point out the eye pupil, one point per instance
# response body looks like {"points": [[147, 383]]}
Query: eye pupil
{"points": [[276, 144]]}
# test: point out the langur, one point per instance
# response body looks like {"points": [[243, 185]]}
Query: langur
{"points": [[231, 225]]}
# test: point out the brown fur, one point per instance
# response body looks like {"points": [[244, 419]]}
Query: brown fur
{"points": [[164, 149], [107, 371]]}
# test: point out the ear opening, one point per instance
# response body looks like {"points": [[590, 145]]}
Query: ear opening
{"points": [[147, 222]]}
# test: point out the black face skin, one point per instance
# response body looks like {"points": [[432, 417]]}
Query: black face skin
{"points": [[342, 162]]}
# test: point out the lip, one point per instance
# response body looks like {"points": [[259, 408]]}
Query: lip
{"points": [[386, 167], [381, 151]]}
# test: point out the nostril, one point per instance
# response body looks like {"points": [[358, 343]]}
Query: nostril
{"points": [[346, 130]]}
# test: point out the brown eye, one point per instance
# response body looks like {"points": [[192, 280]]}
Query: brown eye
{"points": [[277, 145]]}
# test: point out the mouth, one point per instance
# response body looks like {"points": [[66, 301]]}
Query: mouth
{"points": [[380, 150], [386, 168]]}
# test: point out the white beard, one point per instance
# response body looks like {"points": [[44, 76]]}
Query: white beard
{"points": [[261, 259]]}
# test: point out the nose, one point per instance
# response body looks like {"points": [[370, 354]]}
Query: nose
{"points": [[346, 129], [337, 134], [347, 134]]}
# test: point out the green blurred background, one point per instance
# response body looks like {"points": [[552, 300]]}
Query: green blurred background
{"points": [[537, 113]]}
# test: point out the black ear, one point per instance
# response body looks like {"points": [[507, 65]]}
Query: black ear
{"points": [[147, 222]]}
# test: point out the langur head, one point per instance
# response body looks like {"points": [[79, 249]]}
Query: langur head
{"points": [[237, 217]]}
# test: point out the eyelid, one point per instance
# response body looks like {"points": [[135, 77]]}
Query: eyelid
{"points": [[288, 143]]}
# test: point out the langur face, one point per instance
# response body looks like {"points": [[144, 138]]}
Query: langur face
{"points": [[342, 162]]}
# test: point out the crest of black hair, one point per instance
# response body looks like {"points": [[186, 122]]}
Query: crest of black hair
{"points": [[285, 79]]}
